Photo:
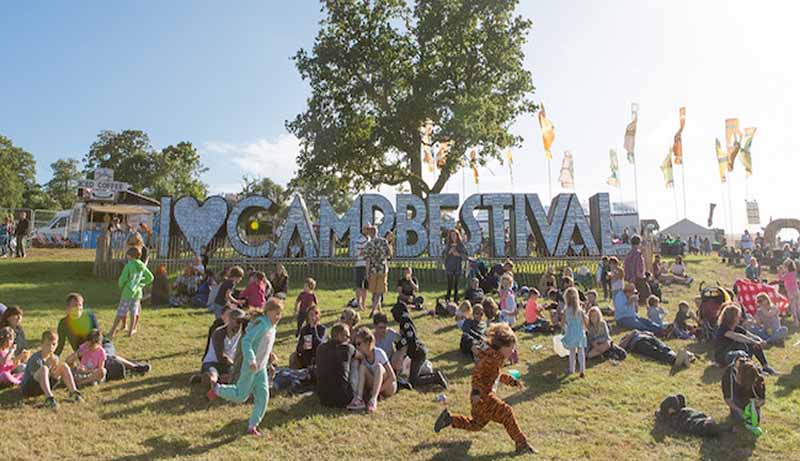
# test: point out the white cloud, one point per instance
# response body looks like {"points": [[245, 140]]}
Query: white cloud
{"points": [[272, 158]]}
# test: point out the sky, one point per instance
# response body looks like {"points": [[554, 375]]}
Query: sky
{"points": [[221, 76]]}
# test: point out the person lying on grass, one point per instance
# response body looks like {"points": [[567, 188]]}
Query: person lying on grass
{"points": [[88, 363], [256, 354], [486, 406], [686, 420], [375, 373], [75, 327], [43, 372]]}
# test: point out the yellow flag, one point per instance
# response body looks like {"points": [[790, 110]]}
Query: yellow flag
{"points": [[473, 163], [441, 153], [747, 159], [677, 144], [733, 137], [548, 132], [666, 169], [722, 160]]}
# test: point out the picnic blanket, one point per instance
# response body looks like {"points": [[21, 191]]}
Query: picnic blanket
{"points": [[747, 291]]}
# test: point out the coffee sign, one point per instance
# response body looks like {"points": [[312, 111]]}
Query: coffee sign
{"points": [[418, 224]]}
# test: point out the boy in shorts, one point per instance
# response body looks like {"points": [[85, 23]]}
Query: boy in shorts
{"points": [[135, 276], [43, 372]]}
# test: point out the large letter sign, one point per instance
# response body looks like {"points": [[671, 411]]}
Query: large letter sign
{"points": [[563, 230]]}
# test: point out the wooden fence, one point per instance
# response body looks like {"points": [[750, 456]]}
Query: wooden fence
{"points": [[335, 271]]}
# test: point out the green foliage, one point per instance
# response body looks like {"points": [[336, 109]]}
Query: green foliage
{"points": [[61, 188], [36, 197], [379, 69], [339, 195], [175, 170], [17, 174]]}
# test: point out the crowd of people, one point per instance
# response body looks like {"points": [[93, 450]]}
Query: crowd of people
{"points": [[354, 365]]}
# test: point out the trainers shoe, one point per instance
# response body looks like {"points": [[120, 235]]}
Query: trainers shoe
{"points": [[356, 404], [142, 368], [50, 402], [372, 406], [253, 431], [444, 420], [212, 393], [524, 448], [76, 397]]}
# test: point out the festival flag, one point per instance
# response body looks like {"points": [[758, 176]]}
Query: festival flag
{"points": [[510, 158], [426, 133], [473, 163], [711, 207], [613, 180], [733, 137], [548, 132], [666, 169], [441, 153], [722, 160], [747, 159], [677, 144], [630, 138], [567, 176]]}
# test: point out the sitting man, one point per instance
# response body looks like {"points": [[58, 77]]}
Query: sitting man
{"points": [[626, 302], [221, 349]]}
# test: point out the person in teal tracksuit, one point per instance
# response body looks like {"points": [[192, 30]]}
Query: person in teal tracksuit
{"points": [[256, 350]]}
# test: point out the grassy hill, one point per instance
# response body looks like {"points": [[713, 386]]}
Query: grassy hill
{"points": [[607, 415]]}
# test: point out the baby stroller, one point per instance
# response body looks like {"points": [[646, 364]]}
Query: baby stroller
{"points": [[712, 299]]}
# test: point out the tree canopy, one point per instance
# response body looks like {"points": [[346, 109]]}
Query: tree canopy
{"points": [[61, 188], [380, 69], [174, 170], [17, 174]]}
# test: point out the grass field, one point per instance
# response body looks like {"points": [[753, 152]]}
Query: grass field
{"points": [[607, 415]]}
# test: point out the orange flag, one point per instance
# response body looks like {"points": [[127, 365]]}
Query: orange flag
{"points": [[548, 132], [733, 138], [677, 145]]}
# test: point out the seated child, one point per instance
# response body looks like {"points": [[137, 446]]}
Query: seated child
{"points": [[474, 293], [489, 310], [486, 405], [655, 313], [533, 321], [185, 287], [463, 313], [673, 411], [409, 345], [43, 372], [597, 334], [681, 327], [375, 373], [407, 288], [472, 331], [312, 334], [742, 382], [769, 321], [555, 306], [89, 361], [8, 361], [508, 300], [221, 346]]}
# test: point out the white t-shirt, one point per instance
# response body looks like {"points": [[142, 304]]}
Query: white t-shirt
{"points": [[678, 269], [361, 261], [229, 346], [380, 359]]}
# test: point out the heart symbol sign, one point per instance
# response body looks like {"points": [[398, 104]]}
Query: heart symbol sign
{"points": [[200, 223]]}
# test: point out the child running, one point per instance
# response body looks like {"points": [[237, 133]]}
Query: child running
{"points": [[574, 325], [256, 351], [486, 406], [135, 276]]}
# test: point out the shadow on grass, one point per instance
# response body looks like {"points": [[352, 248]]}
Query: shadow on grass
{"points": [[164, 448], [154, 386], [456, 450], [454, 364], [788, 382], [712, 374], [543, 377]]}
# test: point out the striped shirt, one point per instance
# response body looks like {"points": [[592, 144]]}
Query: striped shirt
{"points": [[361, 261]]}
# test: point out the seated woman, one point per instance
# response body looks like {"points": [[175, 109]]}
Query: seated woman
{"points": [[312, 334], [279, 281], [160, 293], [547, 280], [626, 303], [597, 335], [732, 341], [375, 373], [385, 338], [741, 383], [75, 328], [679, 274], [407, 288]]}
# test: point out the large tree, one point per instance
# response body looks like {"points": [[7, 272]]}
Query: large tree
{"points": [[175, 170], [17, 174], [380, 68], [61, 188]]}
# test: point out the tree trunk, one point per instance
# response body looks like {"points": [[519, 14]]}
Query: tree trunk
{"points": [[416, 169]]}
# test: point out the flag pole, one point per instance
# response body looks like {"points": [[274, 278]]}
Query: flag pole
{"points": [[675, 201], [635, 115], [550, 179], [683, 185]]}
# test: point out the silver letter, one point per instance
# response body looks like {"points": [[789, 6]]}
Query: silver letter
{"points": [[330, 223], [437, 203], [297, 221], [235, 238], [408, 204]]}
